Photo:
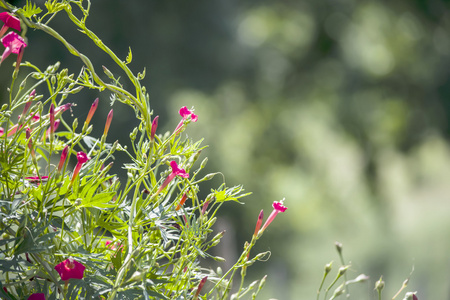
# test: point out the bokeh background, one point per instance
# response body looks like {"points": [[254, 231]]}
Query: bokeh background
{"points": [[339, 106]]}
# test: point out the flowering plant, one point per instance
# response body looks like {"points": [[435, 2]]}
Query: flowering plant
{"points": [[78, 232]]}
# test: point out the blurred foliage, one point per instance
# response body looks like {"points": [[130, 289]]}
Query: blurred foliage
{"points": [[339, 106]]}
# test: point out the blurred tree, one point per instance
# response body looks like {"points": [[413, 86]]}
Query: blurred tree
{"points": [[339, 106]]}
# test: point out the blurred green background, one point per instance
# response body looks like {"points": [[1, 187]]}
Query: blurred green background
{"points": [[340, 106]]}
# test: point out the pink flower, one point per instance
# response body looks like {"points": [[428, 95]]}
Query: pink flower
{"points": [[176, 171], [277, 208], [82, 158], [13, 43], [70, 268], [185, 113], [37, 296], [10, 22]]}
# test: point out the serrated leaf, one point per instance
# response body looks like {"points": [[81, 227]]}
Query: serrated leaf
{"points": [[30, 9]]}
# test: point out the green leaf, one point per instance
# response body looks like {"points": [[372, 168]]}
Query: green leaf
{"points": [[99, 201], [129, 56], [30, 9]]}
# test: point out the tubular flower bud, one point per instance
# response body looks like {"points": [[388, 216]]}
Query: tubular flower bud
{"points": [[63, 158], [108, 122], [91, 113], [183, 199], [200, 286], [259, 223], [154, 126]]}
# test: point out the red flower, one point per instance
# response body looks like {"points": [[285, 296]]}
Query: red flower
{"points": [[13, 43], [70, 268]]}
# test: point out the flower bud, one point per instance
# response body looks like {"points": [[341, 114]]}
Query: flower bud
{"points": [[328, 267], [379, 285], [342, 270]]}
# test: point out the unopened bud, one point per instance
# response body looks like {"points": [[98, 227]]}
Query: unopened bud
{"points": [[342, 270], [108, 72], [89, 129], [379, 285], [328, 267], [75, 124], [76, 90], [114, 147], [338, 247], [203, 164], [339, 291], [262, 283]]}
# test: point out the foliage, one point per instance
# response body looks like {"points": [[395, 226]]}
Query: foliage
{"points": [[78, 233]]}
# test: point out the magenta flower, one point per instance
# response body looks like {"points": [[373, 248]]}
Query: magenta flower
{"points": [[10, 22], [70, 268], [277, 208], [62, 160], [91, 113], [154, 126], [13, 43], [259, 222], [176, 171], [82, 158], [37, 296], [185, 113]]}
